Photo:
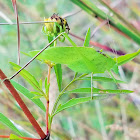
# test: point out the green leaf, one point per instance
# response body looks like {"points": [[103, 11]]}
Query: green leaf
{"points": [[69, 39], [126, 58], [14, 137], [9, 124], [28, 77], [79, 59], [40, 83], [94, 11], [58, 72], [115, 68], [36, 93], [46, 85], [50, 39], [37, 97], [99, 91], [126, 22], [47, 88], [87, 38], [29, 95], [102, 79], [76, 101]]}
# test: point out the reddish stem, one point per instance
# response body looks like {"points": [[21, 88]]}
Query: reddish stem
{"points": [[18, 30], [26, 138], [47, 120], [104, 47], [47, 105], [49, 73], [22, 105]]}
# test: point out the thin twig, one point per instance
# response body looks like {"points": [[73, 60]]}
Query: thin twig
{"points": [[71, 14], [120, 17], [98, 27], [38, 22], [34, 22], [35, 57], [104, 47], [18, 31], [63, 91]]}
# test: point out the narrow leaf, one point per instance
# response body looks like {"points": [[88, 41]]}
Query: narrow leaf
{"points": [[69, 39], [50, 39], [40, 83], [87, 38], [102, 79], [14, 137], [99, 91], [58, 72], [126, 58], [37, 97], [29, 95], [28, 77], [46, 85], [9, 124], [115, 68], [36, 93], [93, 10], [76, 101]]}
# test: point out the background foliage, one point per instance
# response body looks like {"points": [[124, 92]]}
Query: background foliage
{"points": [[97, 120]]}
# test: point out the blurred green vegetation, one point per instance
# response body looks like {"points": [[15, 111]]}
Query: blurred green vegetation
{"points": [[109, 118]]}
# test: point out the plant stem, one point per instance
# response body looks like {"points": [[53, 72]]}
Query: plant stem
{"points": [[35, 56], [92, 86], [34, 22], [47, 105], [96, 44], [22, 105], [120, 17], [18, 30], [62, 92], [55, 42]]}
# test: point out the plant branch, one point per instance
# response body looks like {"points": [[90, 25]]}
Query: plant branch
{"points": [[98, 27], [33, 22], [47, 105], [35, 57], [22, 104], [104, 47], [62, 92]]}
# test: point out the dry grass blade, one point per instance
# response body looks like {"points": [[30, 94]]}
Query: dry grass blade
{"points": [[34, 22], [18, 30]]}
